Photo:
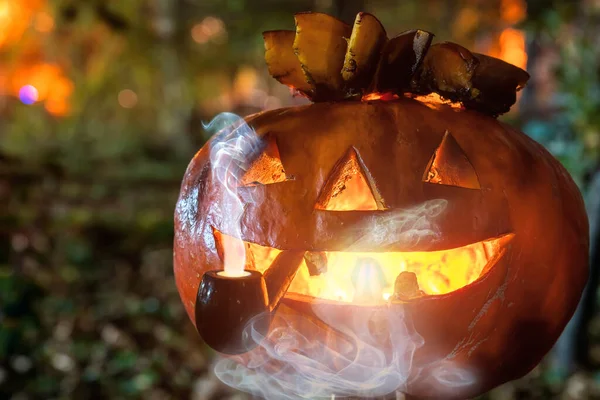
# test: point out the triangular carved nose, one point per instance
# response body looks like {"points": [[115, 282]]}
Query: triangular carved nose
{"points": [[350, 187]]}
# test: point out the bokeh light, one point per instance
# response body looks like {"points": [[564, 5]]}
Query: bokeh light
{"points": [[15, 18], [44, 22], [42, 82], [210, 29], [245, 82], [127, 98], [513, 11], [199, 35], [57, 107], [509, 41], [512, 47], [28, 94]]}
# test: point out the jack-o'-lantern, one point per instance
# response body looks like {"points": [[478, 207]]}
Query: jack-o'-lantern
{"points": [[397, 190]]}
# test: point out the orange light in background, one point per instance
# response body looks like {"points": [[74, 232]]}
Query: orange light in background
{"points": [[513, 11], [57, 107], [15, 17], [245, 83], [41, 76], [512, 47], [57, 102], [467, 21], [127, 98], [32, 82], [44, 22], [52, 87]]}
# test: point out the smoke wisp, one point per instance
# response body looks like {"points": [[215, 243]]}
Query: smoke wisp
{"points": [[411, 227], [232, 150]]}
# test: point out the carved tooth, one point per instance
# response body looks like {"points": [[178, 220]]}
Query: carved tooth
{"points": [[406, 287], [316, 262]]}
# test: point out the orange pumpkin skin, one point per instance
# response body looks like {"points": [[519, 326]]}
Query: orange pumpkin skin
{"points": [[500, 326]]}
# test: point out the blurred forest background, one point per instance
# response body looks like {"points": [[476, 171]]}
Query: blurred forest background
{"points": [[101, 109]]}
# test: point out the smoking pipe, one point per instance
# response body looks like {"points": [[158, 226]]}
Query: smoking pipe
{"points": [[228, 307]]}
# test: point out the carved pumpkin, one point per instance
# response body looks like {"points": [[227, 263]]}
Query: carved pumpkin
{"points": [[443, 214]]}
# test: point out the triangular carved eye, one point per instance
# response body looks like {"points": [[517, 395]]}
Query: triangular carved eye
{"points": [[450, 166], [267, 168], [349, 187]]}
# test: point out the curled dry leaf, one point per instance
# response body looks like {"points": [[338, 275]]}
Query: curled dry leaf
{"points": [[364, 50], [281, 61], [320, 45]]}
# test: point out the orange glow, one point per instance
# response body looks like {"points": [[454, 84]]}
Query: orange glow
{"points": [[349, 187], [512, 47], [53, 87], [59, 107], [513, 11], [15, 17], [434, 101], [44, 22], [379, 96], [431, 100], [245, 83], [356, 196], [368, 278]]}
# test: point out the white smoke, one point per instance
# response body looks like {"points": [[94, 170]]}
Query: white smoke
{"points": [[370, 354], [410, 227], [447, 374], [357, 361], [232, 150]]}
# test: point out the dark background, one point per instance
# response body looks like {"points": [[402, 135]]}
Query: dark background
{"points": [[90, 171]]}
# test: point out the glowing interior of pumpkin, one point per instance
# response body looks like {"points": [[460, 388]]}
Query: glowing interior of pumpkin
{"points": [[432, 100]]}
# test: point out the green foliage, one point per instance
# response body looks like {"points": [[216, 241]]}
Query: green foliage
{"points": [[572, 132], [89, 305]]}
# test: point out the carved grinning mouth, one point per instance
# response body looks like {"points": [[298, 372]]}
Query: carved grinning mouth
{"points": [[368, 278]]}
